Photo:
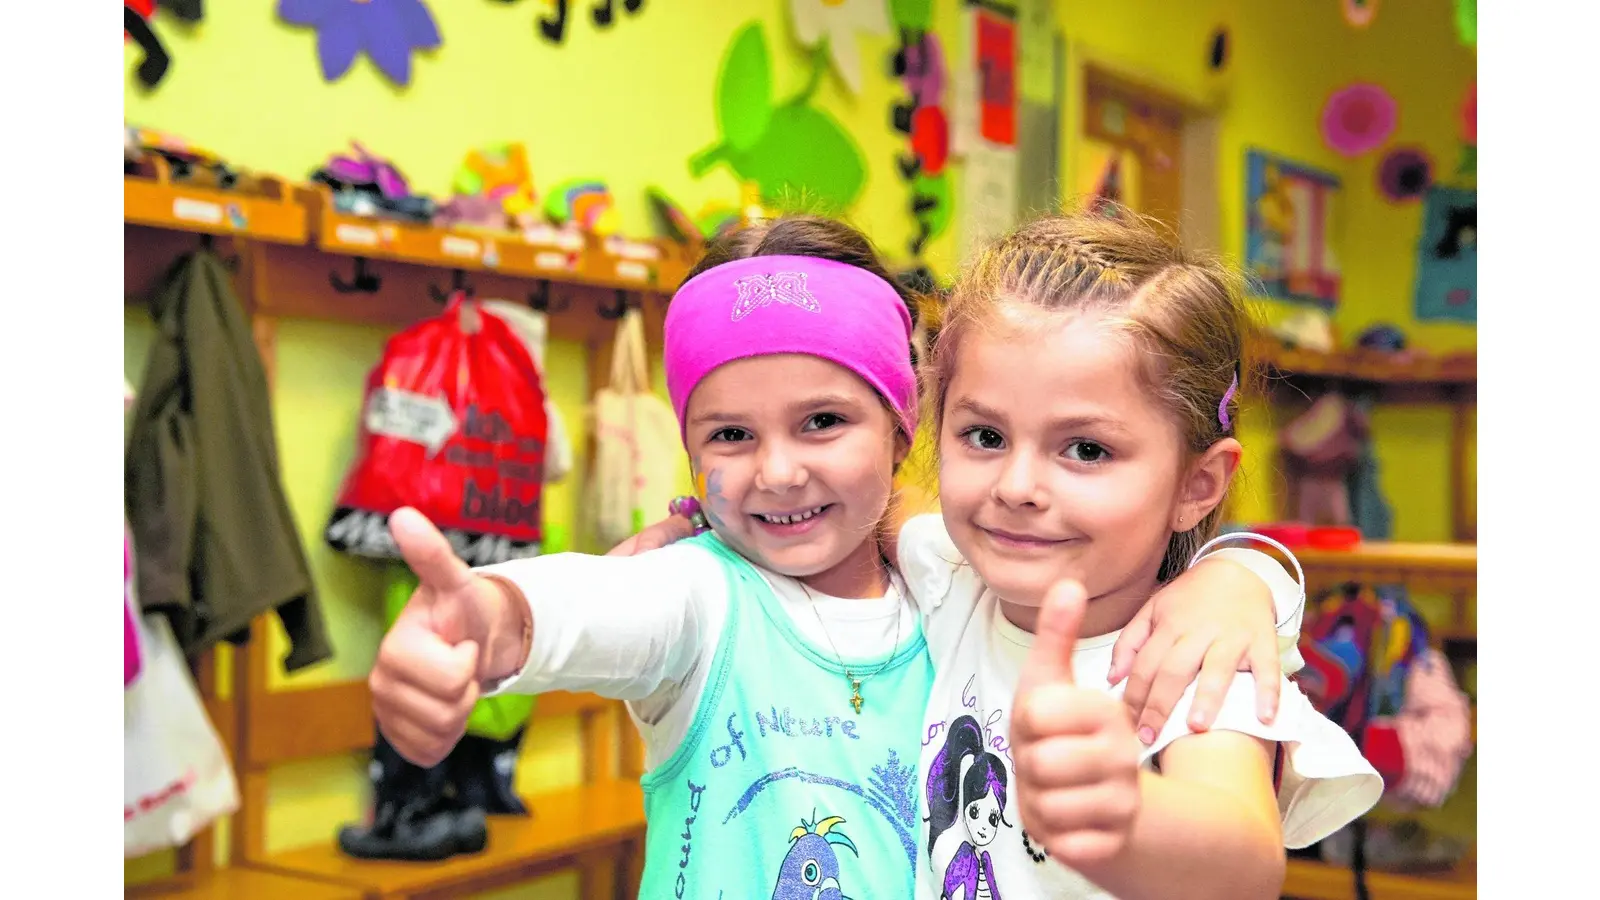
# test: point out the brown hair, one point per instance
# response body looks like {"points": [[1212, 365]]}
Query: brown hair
{"points": [[823, 238], [803, 235], [1186, 314]]}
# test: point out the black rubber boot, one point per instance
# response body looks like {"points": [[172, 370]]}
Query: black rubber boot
{"points": [[484, 770], [412, 818]]}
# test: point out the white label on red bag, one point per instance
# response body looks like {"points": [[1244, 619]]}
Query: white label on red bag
{"points": [[459, 247], [356, 234], [405, 416], [191, 210], [633, 271]]}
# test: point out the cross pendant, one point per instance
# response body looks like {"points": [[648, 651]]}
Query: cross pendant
{"points": [[855, 694]]}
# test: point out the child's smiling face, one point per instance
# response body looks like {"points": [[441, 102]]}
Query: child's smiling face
{"points": [[796, 457], [1057, 462]]}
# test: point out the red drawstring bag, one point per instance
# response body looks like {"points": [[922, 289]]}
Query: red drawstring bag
{"points": [[453, 424]]}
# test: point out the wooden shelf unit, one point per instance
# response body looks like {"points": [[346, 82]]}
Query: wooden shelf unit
{"points": [[544, 254], [1312, 880], [1293, 376], [1372, 367], [264, 211], [286, 243]]}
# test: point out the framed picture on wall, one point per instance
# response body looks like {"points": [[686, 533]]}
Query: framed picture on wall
{"points": [[1289, 213], [1447, 256]]}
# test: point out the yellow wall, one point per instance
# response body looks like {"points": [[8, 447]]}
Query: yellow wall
{"points": [[1285, 60], [631, 104]]}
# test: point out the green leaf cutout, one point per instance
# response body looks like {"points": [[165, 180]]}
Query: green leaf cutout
{"points": [[915, 15], [936, 186], [744, 88], [804, 155]]}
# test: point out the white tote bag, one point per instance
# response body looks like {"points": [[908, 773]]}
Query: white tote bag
{"points": [[637, 451], [176, 777]]}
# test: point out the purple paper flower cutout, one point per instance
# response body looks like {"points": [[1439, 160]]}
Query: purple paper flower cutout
{"points": [[388, 30], [1359, 118], [1405, 174]]}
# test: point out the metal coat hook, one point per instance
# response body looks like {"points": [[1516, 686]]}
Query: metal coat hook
{"points": [[539, 300], [618, 308], [364, 282], [208, 243], [458, 282]]}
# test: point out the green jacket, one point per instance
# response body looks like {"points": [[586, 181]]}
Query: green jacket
{"points": [[216, 541]]}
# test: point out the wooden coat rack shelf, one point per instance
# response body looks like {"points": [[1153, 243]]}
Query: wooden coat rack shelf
{"points": [[296, 256], [300, 257]]}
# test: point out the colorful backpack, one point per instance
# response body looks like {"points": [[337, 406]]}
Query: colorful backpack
{"points": [[1359, 646]]}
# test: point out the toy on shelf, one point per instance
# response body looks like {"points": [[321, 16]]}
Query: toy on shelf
{"points": [[493, 190], [185, 161], [584, 204], [1320, 449], [366, 185]]}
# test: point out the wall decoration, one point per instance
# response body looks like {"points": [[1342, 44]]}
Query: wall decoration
{"points": [[1404, 174], [1217, 53], [788, 150], [985, 130], [387, 30], [919, 62], [1447, 256], [1468, 165], [1359, 13], [136, 27], [996, 45], [1359, 118], [1467, 22], [1107, 174], [187, 11], [1288, 229], [553, 27], [830, 26]]}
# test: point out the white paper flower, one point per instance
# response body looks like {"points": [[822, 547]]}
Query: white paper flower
{"points": [[838, 21]]}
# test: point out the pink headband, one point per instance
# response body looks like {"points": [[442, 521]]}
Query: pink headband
{"points": [[764, 305]]}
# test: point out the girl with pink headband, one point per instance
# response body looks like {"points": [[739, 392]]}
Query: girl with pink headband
{"points": [[773, 663]]}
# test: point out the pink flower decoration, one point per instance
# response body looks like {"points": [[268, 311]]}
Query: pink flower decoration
{"points": [[1359, 118], [1469, 116]]}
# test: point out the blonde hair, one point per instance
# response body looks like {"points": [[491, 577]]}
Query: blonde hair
{"points": [[1186, 313]]}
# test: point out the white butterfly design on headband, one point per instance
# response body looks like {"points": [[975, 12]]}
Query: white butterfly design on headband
{"points": [[756, 291]]}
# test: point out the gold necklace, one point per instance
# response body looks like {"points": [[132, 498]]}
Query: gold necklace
{"points": [[856, 699]]}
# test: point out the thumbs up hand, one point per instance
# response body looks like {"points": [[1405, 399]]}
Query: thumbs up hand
{"points": [[1074, 749], [441, 647]]}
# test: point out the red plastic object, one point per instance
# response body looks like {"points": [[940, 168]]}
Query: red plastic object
{"points": [[1289, 534], [1334, 537]]}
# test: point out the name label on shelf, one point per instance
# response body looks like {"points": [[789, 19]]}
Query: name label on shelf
{"points": [[550, 259], [627, 249], [190, 210], [633, 271], [356, 234], [460, 247], [550, 236]]}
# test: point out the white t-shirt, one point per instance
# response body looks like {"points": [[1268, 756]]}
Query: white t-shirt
{"points": [[977, 658], [645, 628]]}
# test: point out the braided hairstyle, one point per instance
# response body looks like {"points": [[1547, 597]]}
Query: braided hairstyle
{"points": [[1185, 312]]}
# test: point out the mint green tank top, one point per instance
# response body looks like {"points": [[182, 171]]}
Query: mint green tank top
{"points": [[780, 790]]}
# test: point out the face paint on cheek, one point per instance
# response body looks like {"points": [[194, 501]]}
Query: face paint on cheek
{"points": [[711, 499]]}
